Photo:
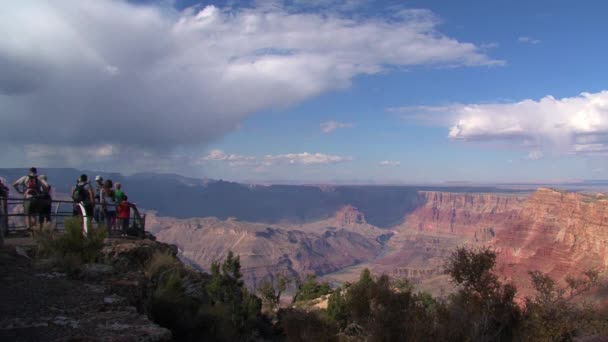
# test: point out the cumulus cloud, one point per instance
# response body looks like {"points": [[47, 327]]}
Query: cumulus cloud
{"points": [[576, 124], [330, 126], [528, 40], [219, 155], [303, 158], [75, 73], [306, 158], [390, 163], [535, 155]]}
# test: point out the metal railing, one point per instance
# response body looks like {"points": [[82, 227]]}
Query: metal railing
{"points": [[13, 221]]}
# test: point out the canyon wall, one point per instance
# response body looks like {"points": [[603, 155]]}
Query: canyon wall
{"points": [[464, 214], [557, 233], [265, 250]]}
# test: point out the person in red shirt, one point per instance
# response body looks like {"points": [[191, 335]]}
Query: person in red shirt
{"points": [[124, 214]]}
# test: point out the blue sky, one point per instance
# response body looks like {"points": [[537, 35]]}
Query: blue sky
{"points": [[311, 91]]}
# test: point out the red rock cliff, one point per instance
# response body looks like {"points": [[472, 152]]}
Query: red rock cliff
{"points": [[464, 214], [558, 233]]}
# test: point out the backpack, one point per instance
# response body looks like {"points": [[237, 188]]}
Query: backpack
{"points": [[31, 187], [46, 193], [80, 193]]}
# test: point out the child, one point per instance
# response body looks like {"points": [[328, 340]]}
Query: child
{"points": [[124, 214]]}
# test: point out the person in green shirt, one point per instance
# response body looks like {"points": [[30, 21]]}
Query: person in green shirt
{"points": [[120, 195]]}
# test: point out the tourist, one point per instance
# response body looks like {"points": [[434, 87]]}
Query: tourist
{"points": [[30, 186], [4, 190], [98, 190], [124, 214], [45, 203], [83, 193], [108, 203], [119, 193]]}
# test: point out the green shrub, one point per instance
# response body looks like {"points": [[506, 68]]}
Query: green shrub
{"points": [[161, 262], [72, 248], [302, 326], [311, 289], [556, 314], [197, 307]]}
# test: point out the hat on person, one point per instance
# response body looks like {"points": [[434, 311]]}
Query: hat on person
{"points": [[98, 178], [43, 177], [33, 171]]}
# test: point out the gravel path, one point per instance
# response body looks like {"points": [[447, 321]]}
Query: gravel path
{"points": [[48, 306]]}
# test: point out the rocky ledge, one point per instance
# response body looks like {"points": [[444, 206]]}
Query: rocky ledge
{"points": [[102, 302]]}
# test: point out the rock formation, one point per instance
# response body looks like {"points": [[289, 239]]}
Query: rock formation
{"points": [[552, 231], [464, 214], [556, 232], [349, 215], [265, 250]]}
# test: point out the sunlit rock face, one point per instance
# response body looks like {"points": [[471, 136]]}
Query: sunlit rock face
{"points": [[471, 215], [557, 233]]}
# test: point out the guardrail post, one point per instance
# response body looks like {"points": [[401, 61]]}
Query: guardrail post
{"points": [[85, 219]]}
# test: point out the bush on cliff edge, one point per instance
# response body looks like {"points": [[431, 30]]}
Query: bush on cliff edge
{"points": [[72, 248]]}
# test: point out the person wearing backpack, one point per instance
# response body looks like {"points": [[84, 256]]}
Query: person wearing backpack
{"points": [[98, 189], [108, 204], [31, 187], [45, 203], [83, 193]]}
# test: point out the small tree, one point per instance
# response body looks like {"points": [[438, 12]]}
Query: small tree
{"points": [[228, 294], [271, 293], [483, 308], [311, 289], [555, 314]]}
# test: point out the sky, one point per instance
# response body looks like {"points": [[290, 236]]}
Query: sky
{"points": [[317, 91]]}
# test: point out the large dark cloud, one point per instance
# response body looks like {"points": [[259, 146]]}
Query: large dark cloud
{"points": [[98, 73]]}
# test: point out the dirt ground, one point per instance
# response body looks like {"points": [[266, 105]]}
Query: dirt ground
{"points": [[41, 305]]}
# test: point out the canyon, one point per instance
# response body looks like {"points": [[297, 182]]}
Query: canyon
{"points": [[558, 233], [337, 231]]}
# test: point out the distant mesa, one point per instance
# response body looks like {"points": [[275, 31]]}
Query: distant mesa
{"points": [[350, 215]]}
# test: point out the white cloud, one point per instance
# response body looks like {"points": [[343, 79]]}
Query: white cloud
{"points": [[390, 163], [535, 155], [306, 158], [110, 72], [528, 40], [303, 158], [330, 126], [232, 159], [37, 151], [568, 125], [219, 155]]}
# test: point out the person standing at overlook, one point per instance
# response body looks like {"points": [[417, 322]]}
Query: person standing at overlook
{"points": [[108, 203], [98, 214], [31, 186], [83, 193], [120, 195], [45, 203], [4, 190]]}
